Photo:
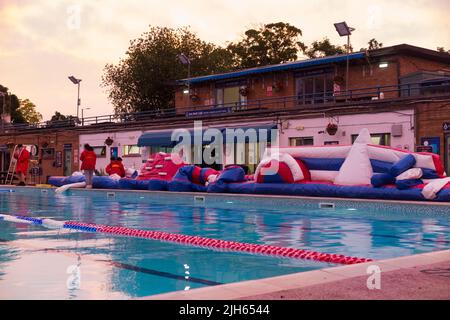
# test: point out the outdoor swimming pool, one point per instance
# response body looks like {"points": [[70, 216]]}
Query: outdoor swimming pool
{"points": [[38, 263]]}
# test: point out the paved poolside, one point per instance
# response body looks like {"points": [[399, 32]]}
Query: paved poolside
{"points": [[422, 276]]}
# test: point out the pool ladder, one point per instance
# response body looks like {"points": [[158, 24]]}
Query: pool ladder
{"points": [[12, 168]]}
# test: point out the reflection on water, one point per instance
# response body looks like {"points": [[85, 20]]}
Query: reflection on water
{"points": [[34, 261]]}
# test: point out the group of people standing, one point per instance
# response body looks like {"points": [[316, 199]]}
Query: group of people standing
{"points": [[88, 160]]}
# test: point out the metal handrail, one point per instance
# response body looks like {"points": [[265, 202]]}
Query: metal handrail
{"points": [[279, 103]]}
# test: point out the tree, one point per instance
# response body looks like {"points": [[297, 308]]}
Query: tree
{"points": [[373, 45], [11, 105], [269, 44], [144, 79], [325, 48], [28, 111], [442, 49], [60, 120]]}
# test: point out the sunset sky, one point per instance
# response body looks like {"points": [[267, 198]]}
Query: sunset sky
{"points": [[44, 41]]}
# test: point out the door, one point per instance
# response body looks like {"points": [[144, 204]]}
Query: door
{"points": [[447, 154], [67, 162]]}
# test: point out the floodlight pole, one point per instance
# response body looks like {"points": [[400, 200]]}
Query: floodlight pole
{"points": [[348, 64], [78, 99]]}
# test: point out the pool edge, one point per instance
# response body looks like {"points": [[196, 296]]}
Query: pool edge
{"points": [[302, 280]]}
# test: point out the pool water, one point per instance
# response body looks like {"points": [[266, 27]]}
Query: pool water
{"points": [[38, 263]]}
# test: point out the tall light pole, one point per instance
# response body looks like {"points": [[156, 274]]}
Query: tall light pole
{"points": [[77, 82], [82, 114], [186, 61], [344, 30]]}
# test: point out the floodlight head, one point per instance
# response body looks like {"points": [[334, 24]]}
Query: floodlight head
{"points": [[184, 59], [74, 80], [343, 29]]}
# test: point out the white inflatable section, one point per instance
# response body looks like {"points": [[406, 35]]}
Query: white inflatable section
{"points": [[293, 165], [323, 175], [433, 187], [391, 155], [356, 168], [414, 173], [364, 137], [70, 185], [311, 152]]}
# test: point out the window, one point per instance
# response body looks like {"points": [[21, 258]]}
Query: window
{"points": [[131, 150], [314, 87], [100, 151], [330, 143], [229, 95], [301, 141], [382, 139], [48, 153], [247, 154]]}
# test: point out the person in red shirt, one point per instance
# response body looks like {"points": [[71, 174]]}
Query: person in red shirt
{"points": [[115, 167], [88, 160], [23, 156]]}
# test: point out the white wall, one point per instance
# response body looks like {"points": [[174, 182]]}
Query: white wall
{"points": [[120, 139], [352, 124]]}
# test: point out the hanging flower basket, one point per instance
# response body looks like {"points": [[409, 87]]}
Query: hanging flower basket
{"points": [[332, 129], [109, 141]]}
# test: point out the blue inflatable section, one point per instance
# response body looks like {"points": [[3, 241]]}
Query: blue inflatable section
{"points": [[158, 185], [181, 182], [62, 181], [325, 190], [104, 182], [327, 164], [131, 184]]}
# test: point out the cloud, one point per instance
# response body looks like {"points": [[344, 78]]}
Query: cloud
{"points": [[43, 41]]}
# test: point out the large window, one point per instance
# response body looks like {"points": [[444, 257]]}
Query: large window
{"points": [[230, 95], [314, 88], [131, 150], [382, 139], [301, 141]]}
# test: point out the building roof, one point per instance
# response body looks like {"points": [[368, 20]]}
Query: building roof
{"points": [[397, 49], [276, 67]]}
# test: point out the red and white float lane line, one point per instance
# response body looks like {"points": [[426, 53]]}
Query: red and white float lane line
{"points": [[218, 244], [215, 244]]}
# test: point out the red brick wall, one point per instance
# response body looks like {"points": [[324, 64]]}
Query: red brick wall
{"points": [[54, 140], [362, 74]]}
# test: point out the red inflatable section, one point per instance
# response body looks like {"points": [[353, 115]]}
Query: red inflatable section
{"points": [[161, 166], [223, 244]]}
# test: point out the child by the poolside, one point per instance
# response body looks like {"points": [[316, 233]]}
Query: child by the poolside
{"points": [[115, 167], [88, 160]]}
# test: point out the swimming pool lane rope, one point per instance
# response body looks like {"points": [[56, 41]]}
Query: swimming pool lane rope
{"points": [[197, 241]]}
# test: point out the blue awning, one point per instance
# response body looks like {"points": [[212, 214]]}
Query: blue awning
{"points": [[164, 138], [156, 139]]}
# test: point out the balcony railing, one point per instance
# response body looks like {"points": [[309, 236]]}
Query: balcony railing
{"points": [[305, 101]]}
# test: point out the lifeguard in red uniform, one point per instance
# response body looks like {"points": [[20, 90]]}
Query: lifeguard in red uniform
{"points": [[23, 156], [88, 160], [115, 167]]}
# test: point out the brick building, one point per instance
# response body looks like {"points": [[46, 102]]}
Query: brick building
{"points": [[400, 93]]}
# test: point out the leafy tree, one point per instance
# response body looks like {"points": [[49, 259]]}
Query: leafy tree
{"points": [[442, 49], [10, 104], [28, 110], [144, 79], [325, 48], [373, 44], [60, 120], [269, 44]]}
